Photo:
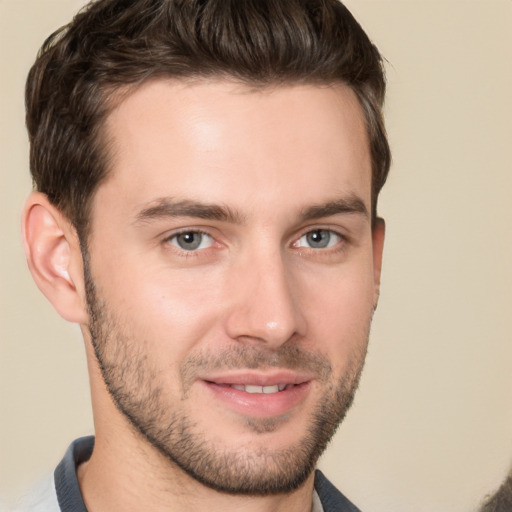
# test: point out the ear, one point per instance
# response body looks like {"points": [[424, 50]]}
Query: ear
{"points": [[54, 258], [378, 234]]}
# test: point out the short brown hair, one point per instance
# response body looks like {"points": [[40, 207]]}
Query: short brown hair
{"points": [[116, 44]]}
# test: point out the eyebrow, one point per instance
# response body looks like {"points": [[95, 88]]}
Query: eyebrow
{"points": [[349, 205], [167, 207]]}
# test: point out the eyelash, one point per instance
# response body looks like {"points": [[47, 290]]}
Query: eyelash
{"points": [[188, 253], [338, 246], [330, 233]]}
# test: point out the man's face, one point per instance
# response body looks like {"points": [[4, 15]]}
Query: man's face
{"points": [[231, 274]]}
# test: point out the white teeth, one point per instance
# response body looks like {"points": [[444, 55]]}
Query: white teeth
{"points": [[249, 388], [253, 389]]}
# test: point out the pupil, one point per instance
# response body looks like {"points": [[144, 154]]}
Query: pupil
{"points": [[319, 238]]}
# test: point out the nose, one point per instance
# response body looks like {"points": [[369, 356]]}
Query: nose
{"points": [[265, 306]]}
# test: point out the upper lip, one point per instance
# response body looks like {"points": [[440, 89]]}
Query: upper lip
{"points": [[258, 378]]}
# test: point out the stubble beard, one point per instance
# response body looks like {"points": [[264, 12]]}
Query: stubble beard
{"points": [[134, 388]]}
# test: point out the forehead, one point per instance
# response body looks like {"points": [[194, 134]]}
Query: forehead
{"points": [[219, 141]]}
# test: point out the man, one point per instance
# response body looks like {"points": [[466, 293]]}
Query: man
{"points": [[207, 176]]}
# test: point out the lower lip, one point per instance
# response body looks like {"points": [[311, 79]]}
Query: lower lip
{"points": [[260, 405]]}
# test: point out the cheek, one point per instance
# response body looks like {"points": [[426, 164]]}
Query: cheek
{"points": [[170, 311], [340, 312]]}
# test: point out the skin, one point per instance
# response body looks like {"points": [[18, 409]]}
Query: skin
{"points": [[254, 292]]}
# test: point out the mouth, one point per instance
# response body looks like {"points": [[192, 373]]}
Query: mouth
{"points": [[254, 389], [259, 395]]}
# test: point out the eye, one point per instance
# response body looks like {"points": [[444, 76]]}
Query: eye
{"points": [[318, 239], [191, 240]]}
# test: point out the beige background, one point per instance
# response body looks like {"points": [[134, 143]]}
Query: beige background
{"points": [[432, 425]]}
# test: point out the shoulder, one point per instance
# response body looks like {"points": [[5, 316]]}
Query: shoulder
{"points": [[41, 498], [332, 499], [60, 490]]}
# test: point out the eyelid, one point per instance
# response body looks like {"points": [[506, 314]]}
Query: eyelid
{"points": [[180, 231], [336, 229], [187, 229]]}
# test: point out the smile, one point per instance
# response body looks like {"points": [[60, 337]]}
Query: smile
{"points": [[261, 396], [267, 390]]}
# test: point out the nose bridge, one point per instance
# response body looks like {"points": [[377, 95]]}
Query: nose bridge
{"points": [[266, 307]]}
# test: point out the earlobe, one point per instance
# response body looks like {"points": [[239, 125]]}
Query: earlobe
{"points": [[53, 256], [378, 235]]}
